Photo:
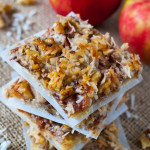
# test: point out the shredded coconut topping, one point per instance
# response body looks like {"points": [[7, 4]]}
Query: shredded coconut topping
{"points": [[20, 22], [72, 59]]}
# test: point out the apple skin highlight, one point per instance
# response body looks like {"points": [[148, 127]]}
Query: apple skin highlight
{"points": [[134, 27]]}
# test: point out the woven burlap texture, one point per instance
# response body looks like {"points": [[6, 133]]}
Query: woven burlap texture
{"points": [[45, 17]]}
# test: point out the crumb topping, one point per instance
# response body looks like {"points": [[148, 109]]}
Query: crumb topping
{"points": [[23, 91], [73, 60], [107, 140], [52, 130], [20, 89]]}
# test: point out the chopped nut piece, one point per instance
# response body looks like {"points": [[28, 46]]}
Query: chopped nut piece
{"points": [[94, 122], [4, 10], [26, 124], [145, 139], [59, 28], [20, 90], [26, 2], [37, 138], [52, 130], [7, 8], [67, 92]]}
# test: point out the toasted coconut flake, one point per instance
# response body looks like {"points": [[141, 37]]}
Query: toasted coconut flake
{"points": [[113, 43], [107, 36], [63, 136], [80, 99], [127, 71], [125, 46], [70, 54], [72, 28], [70, 108], [105, 77], [59, 38], [108, 51], [84, 24]]}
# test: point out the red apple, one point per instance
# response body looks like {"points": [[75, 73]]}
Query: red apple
{"points": [[134, 27], [95, 11]]}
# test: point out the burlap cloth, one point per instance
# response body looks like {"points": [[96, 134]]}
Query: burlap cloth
{"points": [[44, 18]]}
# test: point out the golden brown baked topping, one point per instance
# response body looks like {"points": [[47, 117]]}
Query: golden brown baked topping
{"points": [[45, 124], [21, 90], [92, 123], [37, 140], [52, 130], [74, 60], [25, 124], [5, 8], [108, 139]]}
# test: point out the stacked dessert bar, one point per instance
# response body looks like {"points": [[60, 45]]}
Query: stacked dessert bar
{"points": [[72, 86]]}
